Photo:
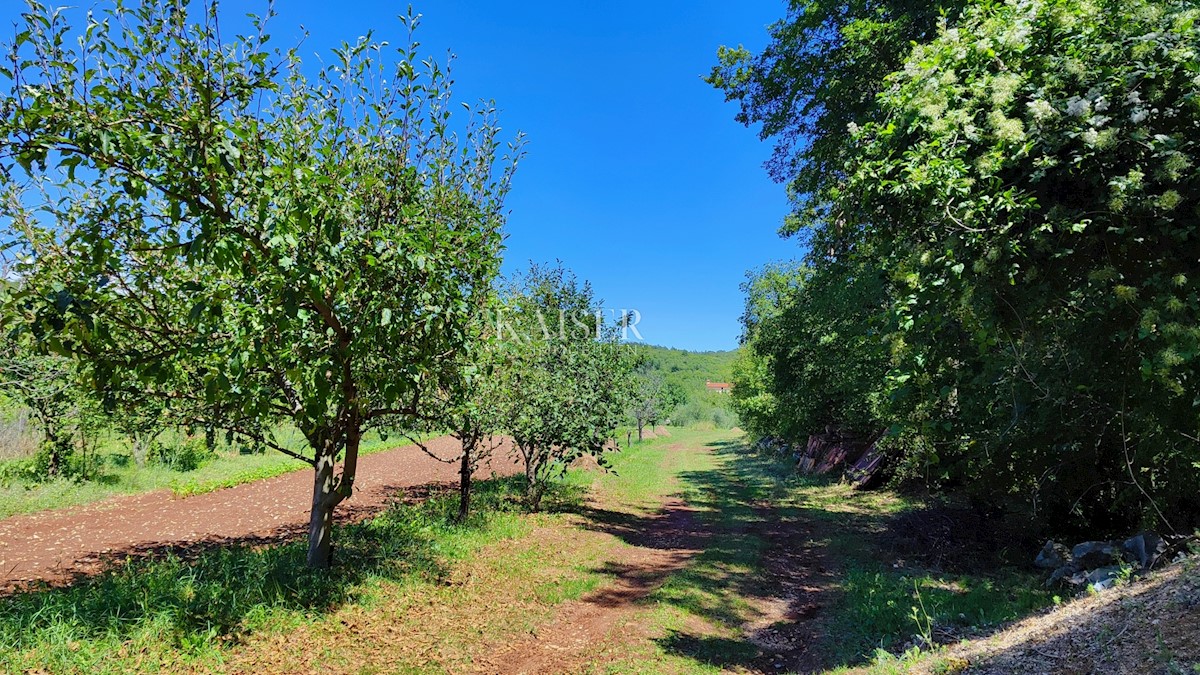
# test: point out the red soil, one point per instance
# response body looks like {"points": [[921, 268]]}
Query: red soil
{"points": [[60, 545]]}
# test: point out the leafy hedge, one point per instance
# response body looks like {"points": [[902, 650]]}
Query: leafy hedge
{"points": [[1007, 276]]}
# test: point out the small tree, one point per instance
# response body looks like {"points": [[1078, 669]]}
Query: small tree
{"points": [[469, 407], [474, 427], [565, 379], [247, 247], [46, 385], [49, 387], [650, 401]]}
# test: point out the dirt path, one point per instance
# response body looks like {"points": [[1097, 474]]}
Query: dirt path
{"points": [[609, 616], [57, 546], [782, 601], [795, 585]]}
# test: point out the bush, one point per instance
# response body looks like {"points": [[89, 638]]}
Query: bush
{"points": [[709, 408], [723, 419], [19, 471], [1005, 279], [190, 454]]}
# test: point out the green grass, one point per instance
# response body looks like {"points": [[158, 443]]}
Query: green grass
{"points": [[883, 603], [881, 607], [560, 590], [710, 588], [114, 473], [152, 614], [741, 495]]}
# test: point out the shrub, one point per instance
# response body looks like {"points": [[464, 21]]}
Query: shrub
{"points": [[187, 455]]}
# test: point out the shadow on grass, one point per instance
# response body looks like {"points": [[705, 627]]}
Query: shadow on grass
{"points": [[714, 651], [797, 566], [212, 592], [766, 576], [727, 539]]}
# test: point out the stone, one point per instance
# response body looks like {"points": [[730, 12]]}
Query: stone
{"points": [[1067, 573], [1104, 578], [1104, 573], [1092, 554], [1143, 549], [1052, 556]]}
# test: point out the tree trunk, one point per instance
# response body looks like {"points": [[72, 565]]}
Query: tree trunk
{"points": [[57, 452], [641, 425], [536, 493], [464, 484], [320, 523], [51, 444], [327, 494], [53, 462], [533, 496]]}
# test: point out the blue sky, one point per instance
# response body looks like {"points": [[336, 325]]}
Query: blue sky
{"points": [[637, 176]]}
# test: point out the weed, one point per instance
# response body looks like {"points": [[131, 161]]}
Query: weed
{"points": [[559, 590], [921, 618]]}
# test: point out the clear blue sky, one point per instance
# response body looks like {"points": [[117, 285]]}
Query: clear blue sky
{"points": [[637, 176]]}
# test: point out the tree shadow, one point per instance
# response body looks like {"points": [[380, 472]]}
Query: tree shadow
{"points": [[817, 565], [803, 572], [560, 497], [671, 527], [771, 566], [740, 559], [204, 591], [1149, 626], [715, 651]]}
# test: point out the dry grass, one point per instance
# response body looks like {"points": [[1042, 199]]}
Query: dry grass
{"points": [[442, 627], [540, 587], [1147, 626], [18, 437]]}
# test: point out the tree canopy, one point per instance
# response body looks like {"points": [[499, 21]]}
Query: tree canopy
{"points": [[211, 232], [1004, 263], [818, 75], [567, 381]]}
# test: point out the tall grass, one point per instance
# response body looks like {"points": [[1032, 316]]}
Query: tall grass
{"points": [[18, 437]]}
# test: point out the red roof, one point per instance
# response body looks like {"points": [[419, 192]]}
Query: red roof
{"points": [[718, 385]]}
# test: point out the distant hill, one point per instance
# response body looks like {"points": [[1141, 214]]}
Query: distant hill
{"points": [[689, 371]]}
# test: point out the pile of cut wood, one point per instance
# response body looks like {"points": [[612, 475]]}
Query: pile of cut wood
{"points": [[855, 456]]}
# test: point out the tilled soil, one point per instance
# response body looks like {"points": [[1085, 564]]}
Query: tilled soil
{"points": [[59, 546]]}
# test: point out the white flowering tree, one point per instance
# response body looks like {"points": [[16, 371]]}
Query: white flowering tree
{"points": [[1032, 188]]}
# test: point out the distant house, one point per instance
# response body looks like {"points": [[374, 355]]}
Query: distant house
{"points": [[719, 387]]}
